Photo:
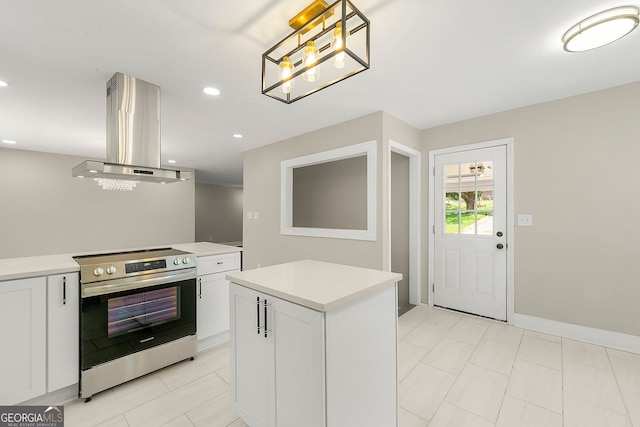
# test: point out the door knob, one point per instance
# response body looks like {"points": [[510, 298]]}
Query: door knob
{"points": [[499, 246], [499, 234]]}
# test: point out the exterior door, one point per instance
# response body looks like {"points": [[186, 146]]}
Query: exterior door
{"points": [[470, 270]]}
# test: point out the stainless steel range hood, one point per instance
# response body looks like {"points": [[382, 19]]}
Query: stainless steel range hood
{"points": [[133, 136]]}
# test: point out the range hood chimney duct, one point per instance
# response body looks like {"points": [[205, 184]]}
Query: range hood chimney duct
{"points": [[133, 138]]}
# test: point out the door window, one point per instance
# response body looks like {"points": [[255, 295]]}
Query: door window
{"points": [[468, 200]]}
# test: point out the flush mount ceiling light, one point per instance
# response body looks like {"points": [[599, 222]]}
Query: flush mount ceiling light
{"points": [[211, 91], [329, 43], [601, 29]]}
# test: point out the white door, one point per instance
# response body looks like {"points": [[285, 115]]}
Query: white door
{"points": [[470, 270], [23, 334], [213, 305], [249, 356], [63, 354], [298, 365]]}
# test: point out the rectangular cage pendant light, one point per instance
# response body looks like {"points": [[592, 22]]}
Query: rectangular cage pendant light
{"points": [[329, 43]]}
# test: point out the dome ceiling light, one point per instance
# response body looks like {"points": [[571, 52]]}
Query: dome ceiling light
{"points": [[601, 29]]}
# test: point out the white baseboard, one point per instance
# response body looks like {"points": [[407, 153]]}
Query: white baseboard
{"points": [[206, 343], [617, 340]]}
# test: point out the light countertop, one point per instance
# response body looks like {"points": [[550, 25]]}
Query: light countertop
{"points": [[45, 265], [320, 286]]}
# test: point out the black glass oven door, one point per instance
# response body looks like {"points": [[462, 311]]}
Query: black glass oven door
{"points": [[116, 324]]}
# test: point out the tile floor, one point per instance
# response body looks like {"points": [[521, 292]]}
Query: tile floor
{"points": [[454, 371]]}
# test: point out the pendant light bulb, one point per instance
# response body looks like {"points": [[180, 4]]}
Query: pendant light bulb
{"points": [[340, 60], [310, 58], [286, 68]]}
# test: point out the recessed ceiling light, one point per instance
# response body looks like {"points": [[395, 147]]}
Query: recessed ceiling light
{"points": [[601, 29], [8, 141], [3, 84], [211, 91], [171, 161], [237, 135]]}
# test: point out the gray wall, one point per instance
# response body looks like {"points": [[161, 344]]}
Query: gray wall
{"points": [[218, 213], [331, 195], [575, 168], [43, 210], [400, 224], [263, 244]]}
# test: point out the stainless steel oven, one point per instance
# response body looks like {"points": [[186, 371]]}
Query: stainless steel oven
{"points": [[137, 315]]}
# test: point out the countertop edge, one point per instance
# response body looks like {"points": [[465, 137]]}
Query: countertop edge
{"points": [[48, 265], [314, 305]]}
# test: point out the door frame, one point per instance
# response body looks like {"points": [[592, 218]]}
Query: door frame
{"points": [[415, 258], [508, 142]]}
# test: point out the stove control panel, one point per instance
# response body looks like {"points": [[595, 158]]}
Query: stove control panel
{"points": [[126, 264]]}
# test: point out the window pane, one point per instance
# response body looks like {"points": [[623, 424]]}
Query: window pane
{"points": [[451, 202], [485, 223], [468, 223], [452, 225]]}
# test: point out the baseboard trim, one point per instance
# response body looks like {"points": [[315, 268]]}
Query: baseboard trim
{"points": [[209, 342], [617, 340]]}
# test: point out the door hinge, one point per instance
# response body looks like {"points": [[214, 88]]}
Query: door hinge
{"points": [[434, 171], [433, 287], [434, 229]]}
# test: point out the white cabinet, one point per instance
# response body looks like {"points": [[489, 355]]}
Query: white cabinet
{"points": [[23, 316], [63, 301], [323, 353], [277, 360], [213, 305], [213, 296]]}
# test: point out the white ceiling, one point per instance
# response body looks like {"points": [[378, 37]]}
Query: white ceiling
{"points": [[432, 62]]}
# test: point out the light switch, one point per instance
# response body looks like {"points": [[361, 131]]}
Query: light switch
{"points": [[249, 215], [255, 215], [525, 220]]}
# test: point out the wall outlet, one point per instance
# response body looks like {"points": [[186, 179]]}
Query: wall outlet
{"points": [[525, 220]]}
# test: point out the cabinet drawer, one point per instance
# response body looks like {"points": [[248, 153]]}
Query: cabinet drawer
{"points": [[218, 263]]}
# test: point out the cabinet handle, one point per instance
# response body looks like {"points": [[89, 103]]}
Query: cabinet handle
{"points": [[200, 291], [258, 313], [64, 290], [265, 317]]}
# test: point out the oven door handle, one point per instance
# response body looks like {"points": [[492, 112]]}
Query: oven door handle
{"points": [[138, 282]]}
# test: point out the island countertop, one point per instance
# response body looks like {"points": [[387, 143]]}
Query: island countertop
{"points": [[317, 285]]}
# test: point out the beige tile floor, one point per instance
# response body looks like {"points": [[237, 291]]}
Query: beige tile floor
{"points": [[454, 370]]}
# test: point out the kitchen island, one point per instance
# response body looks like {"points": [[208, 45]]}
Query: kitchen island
{"points": [[314, 344]]}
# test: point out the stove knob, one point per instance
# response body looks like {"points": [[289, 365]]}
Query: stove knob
{"points": [[111, 269], [186, 260], [98, 271], [176, 261]]}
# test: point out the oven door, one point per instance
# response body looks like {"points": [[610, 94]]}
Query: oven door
{"points": [[125, 316]]}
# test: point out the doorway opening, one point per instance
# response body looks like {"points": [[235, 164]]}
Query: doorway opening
{"points": [[404, 207]]}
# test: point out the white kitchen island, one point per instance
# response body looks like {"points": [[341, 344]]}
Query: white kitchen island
{"points": [[314, 344]]}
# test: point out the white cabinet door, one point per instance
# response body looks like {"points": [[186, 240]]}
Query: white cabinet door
{"points": [[213, 305], [63, 300], [277, 361], [249, 356], [298, 364], [23, 308]]}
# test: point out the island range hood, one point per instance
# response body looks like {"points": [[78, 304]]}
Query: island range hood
{"points": [[133, 138]]}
